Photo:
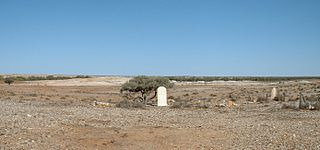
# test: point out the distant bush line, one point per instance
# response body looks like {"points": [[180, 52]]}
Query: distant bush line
{"points": [[216, 78], [49, 77]]}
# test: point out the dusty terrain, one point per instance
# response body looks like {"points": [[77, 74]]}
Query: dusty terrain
{"points": [[61, 115]]}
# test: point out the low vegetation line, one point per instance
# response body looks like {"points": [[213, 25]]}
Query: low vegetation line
{"points": [[36, 78], [237, 78]]}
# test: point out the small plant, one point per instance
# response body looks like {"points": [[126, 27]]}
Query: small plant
{"points": [[8, 81], [202, 106], [12, 93], [213, 95], [195, 93], [281, 97], [130, 104], [180, 104], [262, 99], [170, 97], [33, 95], [185, 95]]}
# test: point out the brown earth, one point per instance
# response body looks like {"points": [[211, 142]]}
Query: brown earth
{"points": [[61, 115]]}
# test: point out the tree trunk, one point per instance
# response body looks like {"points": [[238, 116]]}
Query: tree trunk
{"points": [[144, 97], [155, 94]]}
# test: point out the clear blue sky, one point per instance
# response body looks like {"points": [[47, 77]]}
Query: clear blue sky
{"points": [[160, 37]]}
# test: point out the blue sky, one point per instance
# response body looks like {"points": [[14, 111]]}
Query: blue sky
{"points": [[160, 37]]}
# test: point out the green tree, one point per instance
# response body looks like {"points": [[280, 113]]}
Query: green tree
{"points": [[8, 80], [144, 86]]}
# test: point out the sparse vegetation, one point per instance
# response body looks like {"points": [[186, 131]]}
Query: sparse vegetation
{"points": [[185, 95], [49, 77], [216, 78], [11, 93], [262, 99], [130, 104], [213, 95], [181, 104], [171, 97], [309, 103], [33, 95], [144, 86], [202, 106], [281, 97]]}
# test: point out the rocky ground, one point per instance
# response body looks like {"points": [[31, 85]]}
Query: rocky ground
{"points": [[64, 117]]}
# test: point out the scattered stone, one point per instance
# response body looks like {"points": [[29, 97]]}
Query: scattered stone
{"points": [[231, 103], [101, 104]]}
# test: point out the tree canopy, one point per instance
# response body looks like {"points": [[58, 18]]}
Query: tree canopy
{"points": [[8, 81], [145, 86]]}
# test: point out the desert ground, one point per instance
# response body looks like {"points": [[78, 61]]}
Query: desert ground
{"points": [[82, 114]]}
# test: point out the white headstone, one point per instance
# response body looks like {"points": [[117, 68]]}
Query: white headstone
{"points": [[273, 93], [162, 96]]}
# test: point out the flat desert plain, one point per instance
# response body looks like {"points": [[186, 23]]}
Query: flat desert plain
{"points": [[82, 114]]}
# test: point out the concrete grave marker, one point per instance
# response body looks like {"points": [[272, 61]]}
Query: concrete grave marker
{"points": [[273, 93], [162, 96]]}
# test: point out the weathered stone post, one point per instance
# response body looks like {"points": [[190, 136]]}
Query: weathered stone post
{"points": [[273, 93], [162, 96]]}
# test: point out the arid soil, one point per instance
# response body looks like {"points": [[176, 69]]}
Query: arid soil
{"points": [[64, 115]]}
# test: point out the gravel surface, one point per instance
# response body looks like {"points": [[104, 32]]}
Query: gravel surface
{"points": [[37, 115], [37, 125]]}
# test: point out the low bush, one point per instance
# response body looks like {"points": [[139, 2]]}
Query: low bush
{"points": [[202, 106], [130, 104], [262, 99], [171, 97], [8, 81], [181, 104]]}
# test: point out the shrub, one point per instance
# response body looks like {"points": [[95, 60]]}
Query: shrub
{"points": [[213, 95], [171, 97], [202, 106], [130, 104], [144, 86], [186, 95], [8, 81], [262, 99], [181, 104]]}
